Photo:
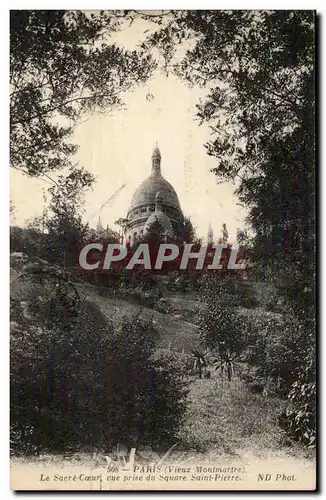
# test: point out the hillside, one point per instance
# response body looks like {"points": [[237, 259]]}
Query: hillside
{"points": [[222, 419], [174, 332]]}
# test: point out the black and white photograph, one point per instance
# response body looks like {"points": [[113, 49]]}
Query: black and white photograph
{"points": [[163, 250]]}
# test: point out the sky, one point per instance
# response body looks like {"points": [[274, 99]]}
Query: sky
{"points": [[117, 147]]}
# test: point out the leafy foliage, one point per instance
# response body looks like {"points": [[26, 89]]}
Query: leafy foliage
{"points": [[219, 323], [28, 241], [282, 356], [188, 234], [259, 67], [63, 66], [300, 418], [199, 361], [66, 229], [78, 379], [225, 234], [57, 235]]}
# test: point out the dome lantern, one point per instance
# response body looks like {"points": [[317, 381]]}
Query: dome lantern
{"points": [[156, 161]]}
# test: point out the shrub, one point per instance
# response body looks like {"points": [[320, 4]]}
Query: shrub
{"points": [[143, 279], [79, 380], [54, 347], [146, 402], [272, 341], [282, 352], [162, 305], [299, 420], [220, 327]]}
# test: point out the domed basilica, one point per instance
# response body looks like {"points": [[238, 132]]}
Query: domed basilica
{"points": [[154, 201]]}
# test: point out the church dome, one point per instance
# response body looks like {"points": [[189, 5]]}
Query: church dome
{"points": [[154, 200], [162, 219], [145, 193]]}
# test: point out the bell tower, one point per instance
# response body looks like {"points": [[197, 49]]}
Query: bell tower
{"points": [[210, 235]]}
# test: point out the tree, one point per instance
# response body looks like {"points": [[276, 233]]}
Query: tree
{"points": [[242, 236], [226, 363], [12, 210], [62, 67], [188, 232], [122, 222], [199, 361], [260, 107], [225, 233], [66, 228], [259, 66], [220, 328]]}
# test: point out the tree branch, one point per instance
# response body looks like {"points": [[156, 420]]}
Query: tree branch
{"points": [[58, 106]]}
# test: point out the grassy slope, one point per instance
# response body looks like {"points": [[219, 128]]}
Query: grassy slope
{"points": [[230, 424], [229, 420], [221, 419], [175, 333]]}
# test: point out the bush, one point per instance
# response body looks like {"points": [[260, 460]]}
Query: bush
{"points": [[272, 342], [282, 352], [33, 242], [143, 279], [79, 380], [29, 241], [147, 400], [219, 324], [275, 302], [162, 305], [299, 420]]}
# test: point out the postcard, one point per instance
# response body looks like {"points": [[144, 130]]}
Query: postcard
{"points": [[162, 250]]}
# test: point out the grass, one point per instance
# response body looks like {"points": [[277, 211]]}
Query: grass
{"points": [[173, 333], [223, 422], [220, 420], [230, 420]]}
